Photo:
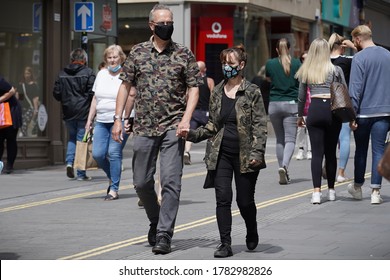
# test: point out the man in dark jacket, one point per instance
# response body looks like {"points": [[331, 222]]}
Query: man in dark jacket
{"points": [[73, 88]]}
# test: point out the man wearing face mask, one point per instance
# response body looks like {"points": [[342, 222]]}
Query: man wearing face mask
{"points": [[161, 78]]}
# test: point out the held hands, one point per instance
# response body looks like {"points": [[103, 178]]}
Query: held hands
{"points": [[182, 130]]}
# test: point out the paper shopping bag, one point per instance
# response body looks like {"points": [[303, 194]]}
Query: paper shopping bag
{"points": [[83, 157], [5, 115]]}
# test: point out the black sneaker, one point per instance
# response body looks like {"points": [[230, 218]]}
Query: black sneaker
{"points": [[69, 171], [224, 250], [163, 245], [152, 234]]}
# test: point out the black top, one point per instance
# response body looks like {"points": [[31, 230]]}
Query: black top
{"points": [[230, 141], [204, 96], [345, 63]]}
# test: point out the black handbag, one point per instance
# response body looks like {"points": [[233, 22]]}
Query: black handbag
{"points": [[340, 102], [209, 180]]}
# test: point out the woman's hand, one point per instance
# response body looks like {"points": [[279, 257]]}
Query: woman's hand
{"points": [[353, 125], [182, 132], [254, 163], [301, 122]]}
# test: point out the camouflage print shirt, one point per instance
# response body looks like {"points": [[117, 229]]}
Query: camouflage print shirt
{"points": [[161, 80], [251, 127]]}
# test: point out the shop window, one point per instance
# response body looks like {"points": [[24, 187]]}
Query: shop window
{"points": [[22, 60]]}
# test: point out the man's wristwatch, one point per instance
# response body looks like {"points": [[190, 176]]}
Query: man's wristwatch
{"points": [[116, 117]]}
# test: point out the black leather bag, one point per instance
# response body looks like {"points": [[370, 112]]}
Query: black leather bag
{"points": [[340, 102], [209, 180]]}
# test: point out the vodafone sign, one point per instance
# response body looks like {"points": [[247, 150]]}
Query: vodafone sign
{"points": [[214, 33], [216, 30]]}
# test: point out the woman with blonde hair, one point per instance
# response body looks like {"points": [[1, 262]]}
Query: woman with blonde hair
{"points": [[317, 72], [106, 151], [338, 44], [283, 108]]}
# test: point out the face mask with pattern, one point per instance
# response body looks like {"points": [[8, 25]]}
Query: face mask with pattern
{"points": [[230, 71]]}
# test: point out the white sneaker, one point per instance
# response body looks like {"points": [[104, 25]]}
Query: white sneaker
{"points": [[308, 155], [284, 179], [331, 195], [316, 198], [376, 198], [187, 158], [341, 179], [356, 192], [300, 154]]}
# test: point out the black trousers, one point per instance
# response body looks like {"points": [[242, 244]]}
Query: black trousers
{"points": [[324, 129], [9, 134], [229, 164]]}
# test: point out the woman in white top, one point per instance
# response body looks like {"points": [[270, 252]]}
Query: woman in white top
{"points": [[106, 151]]}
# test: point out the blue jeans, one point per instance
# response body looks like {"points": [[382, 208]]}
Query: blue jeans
{"points": [[377, 128], [76, 131], [108, 153], [344, 139]]}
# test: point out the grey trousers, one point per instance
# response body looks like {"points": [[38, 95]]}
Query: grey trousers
{"points": [[283, 116], [146, 151]]}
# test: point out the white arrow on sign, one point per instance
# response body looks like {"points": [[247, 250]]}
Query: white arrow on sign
{"points": [[37, 17], [84, 12]]}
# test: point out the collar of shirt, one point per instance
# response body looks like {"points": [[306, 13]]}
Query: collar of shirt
{"points": [[169, 48]]}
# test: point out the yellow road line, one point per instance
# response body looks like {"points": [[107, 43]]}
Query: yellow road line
{"points": [[74, 196], [187, 226]]}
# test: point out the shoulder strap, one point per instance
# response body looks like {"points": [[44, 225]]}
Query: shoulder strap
{"points": [[26, 96]]}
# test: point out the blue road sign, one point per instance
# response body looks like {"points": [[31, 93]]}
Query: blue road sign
{"points": [[37, 17], [84, 17]]}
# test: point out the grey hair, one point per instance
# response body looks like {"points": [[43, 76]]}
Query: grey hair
{"points": [[159, 7], [78, 55]]}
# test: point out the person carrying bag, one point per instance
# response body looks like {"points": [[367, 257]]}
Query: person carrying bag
{"points": [[83, 158]]}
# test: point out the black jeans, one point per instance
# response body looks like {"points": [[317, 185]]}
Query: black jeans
{"points": [[229, 164], [9, 134], [324, 130]]}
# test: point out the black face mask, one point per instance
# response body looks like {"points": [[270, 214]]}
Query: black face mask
{"points": [[164, 32]]}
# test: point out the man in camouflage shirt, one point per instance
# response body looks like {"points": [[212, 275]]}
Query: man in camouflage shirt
{"points": [[161, 79]]}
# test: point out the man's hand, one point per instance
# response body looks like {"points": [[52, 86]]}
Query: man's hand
{"points": [[182, 129]]}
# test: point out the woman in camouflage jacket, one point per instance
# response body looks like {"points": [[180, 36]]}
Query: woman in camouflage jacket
{"points": [[237, 133]]}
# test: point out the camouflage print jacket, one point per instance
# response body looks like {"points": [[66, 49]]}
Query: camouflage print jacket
{"points": [[251, 126]]}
